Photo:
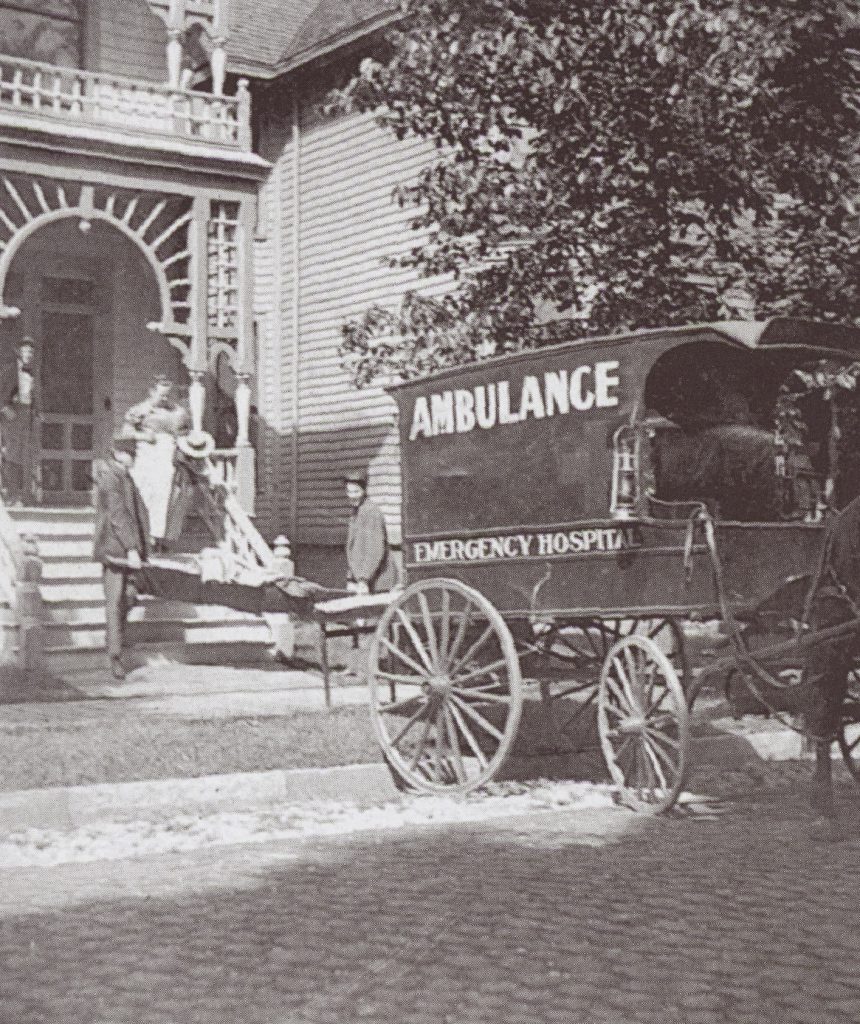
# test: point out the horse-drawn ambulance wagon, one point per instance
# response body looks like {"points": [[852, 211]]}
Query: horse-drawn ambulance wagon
{"points": [[578, 503]]}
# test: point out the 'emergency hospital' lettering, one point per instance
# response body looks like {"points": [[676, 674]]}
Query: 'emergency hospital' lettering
{"points": [[556, 392], [554, 543]]}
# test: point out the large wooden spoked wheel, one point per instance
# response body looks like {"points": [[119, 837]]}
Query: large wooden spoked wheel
{"points": [[643, 723], [446, 692], [848, 736]]}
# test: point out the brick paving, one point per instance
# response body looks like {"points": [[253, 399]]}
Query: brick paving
{"points": [[596, 916]]}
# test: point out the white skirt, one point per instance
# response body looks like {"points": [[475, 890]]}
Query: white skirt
{"points": [[153, 474]]}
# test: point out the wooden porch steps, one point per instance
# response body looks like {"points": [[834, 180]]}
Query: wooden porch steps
{"points": [[74, 612]]}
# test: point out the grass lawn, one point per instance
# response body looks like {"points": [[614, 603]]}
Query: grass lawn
{"points": [[127, 747]]}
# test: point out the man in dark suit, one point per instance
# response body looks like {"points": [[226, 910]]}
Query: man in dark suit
{"points": [[20, 429], [371, 568], [121, 532]]}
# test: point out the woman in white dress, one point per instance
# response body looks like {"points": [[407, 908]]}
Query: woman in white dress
{"points": [[156, 423]]}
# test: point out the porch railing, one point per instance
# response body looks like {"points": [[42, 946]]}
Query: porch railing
{"points": [[50, 93], [11, 559], [233, 469], [20, 572]]}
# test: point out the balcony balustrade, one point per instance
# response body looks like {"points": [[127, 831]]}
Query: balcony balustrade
{"points": [[41, 93]]}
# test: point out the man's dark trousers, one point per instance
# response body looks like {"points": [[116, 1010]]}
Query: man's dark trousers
{"points": [[116, 581]]}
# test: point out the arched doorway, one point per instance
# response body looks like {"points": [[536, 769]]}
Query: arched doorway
{"points": [[86, 298]]}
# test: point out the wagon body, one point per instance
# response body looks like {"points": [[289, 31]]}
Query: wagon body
{"points": [[508, 472]]}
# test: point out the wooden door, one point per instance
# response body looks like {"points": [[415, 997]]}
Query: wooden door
{"points": [[68, 381]]}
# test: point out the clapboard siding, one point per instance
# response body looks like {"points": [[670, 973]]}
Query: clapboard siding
{"points": [[273, 281], [349, 226]]}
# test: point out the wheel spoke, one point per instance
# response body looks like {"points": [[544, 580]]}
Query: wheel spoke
{"points": [[454, 743], [473, 650], [476, 673], [395, 706], [467, 735], [623, 745], [430, 632], [851, 747], [445, 634], [460, 635], [416, 639], [394, 677], [495, 685], [621, 672], [599, 650], [439, 747], [425, 732], [635, 674], [412, 721], [658, 703], [481, 696], [660, 752], [478, 719], [422, 672], [662, 739], [655, 766], [651, 778], [618, 693]]}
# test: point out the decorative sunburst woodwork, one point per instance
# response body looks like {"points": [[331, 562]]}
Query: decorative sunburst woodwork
{"points": [[157, 225]]}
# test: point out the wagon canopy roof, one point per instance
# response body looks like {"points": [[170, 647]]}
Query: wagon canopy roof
{"points": [[781, 332]]}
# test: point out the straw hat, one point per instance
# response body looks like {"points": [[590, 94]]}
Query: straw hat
{"points": [[196, 444]]}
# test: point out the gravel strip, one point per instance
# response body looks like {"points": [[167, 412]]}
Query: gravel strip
{"points": [[291, 823]]}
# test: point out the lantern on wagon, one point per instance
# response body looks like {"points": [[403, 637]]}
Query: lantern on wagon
{"points": [[624, 497]]}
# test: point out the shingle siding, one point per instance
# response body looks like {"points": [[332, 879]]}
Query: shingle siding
{"points": [[127, 39]]}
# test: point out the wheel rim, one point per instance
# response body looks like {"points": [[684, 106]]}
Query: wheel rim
{"points": [[445, 687], [643, 724], [850, 745]]}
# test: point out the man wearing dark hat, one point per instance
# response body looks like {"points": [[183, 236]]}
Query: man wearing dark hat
{"points": [[119, 543], [371, 569], [20, 421]]}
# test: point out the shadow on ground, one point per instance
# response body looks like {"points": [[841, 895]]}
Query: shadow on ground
{"points": [[583, 917]]}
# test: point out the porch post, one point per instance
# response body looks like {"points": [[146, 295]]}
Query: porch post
{"points": [[197, 357], [218, 65], [245, 454], [218, 33], [197, 398], [174, 57], [243, 409], [175, 23]]}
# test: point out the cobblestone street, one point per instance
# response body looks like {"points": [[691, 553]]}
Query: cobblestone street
{"points": [[589, 915]]}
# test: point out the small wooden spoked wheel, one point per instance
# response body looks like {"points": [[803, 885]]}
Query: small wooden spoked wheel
{"points": [[446, 693], [643, 723]]}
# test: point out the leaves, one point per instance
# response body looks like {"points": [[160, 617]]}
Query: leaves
{"points": [[629, 165]]}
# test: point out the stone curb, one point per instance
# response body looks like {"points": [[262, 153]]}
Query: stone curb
{"points": [[71, 807]]}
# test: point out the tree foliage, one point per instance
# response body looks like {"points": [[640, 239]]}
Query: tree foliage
{"points": [[626, 164]]}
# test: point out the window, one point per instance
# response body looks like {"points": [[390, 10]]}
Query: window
{"points": [[43, 30]]}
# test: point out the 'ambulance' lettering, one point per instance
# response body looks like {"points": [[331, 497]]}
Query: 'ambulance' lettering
{"points": [[555, 393]]}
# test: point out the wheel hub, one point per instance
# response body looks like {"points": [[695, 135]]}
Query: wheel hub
{"points": [[633, 724], [438, 687]]}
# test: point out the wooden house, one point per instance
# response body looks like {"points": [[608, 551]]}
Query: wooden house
{"points": [[175, 199]]}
